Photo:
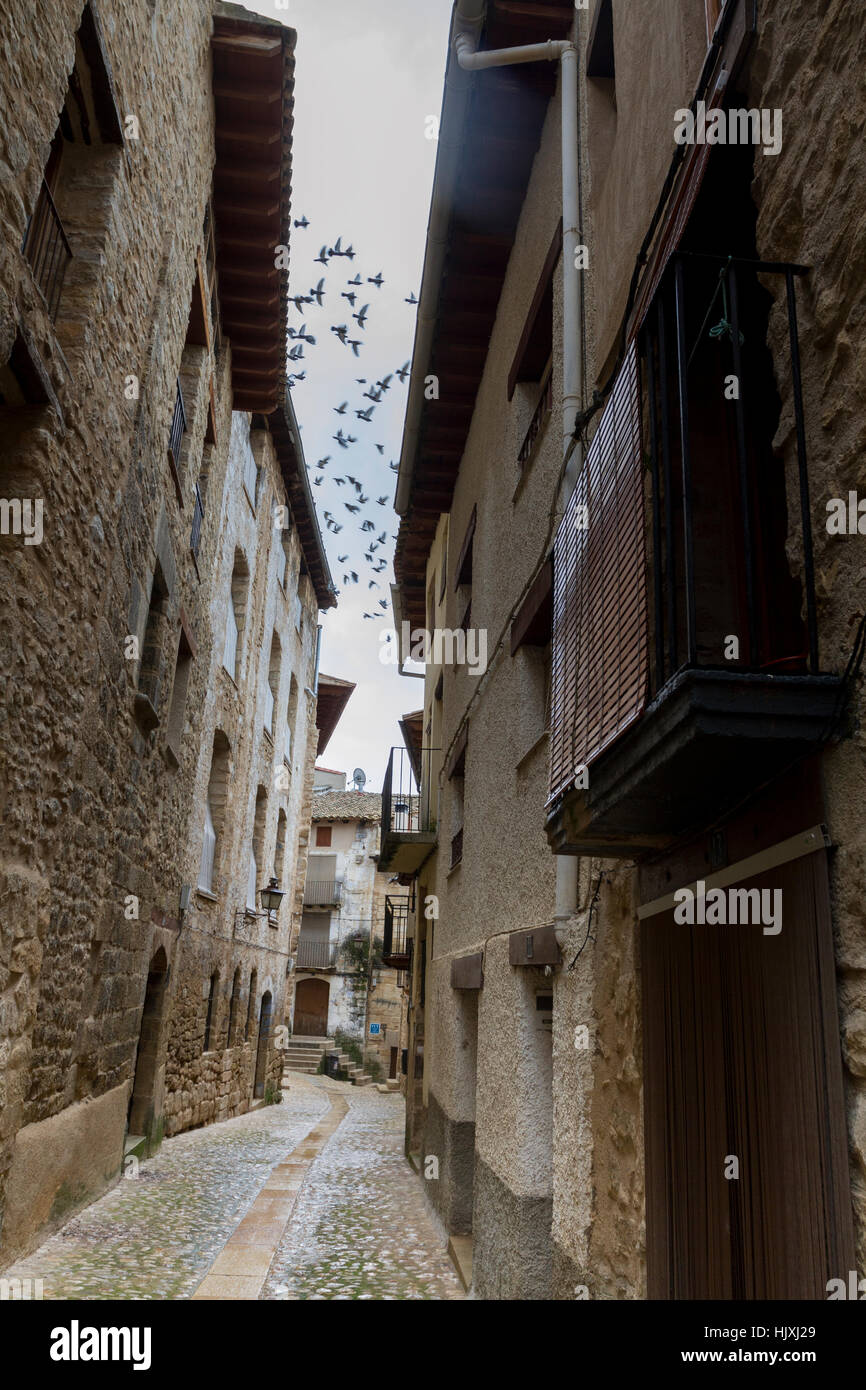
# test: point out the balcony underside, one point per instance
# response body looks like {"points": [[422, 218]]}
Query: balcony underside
{"points": [[403, 852], [707, 741], [396, 960]]}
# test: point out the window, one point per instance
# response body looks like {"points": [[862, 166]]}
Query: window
{"points": [[463, 575], [235, 614], [150, 670], [182, 671], [257, 853], [208, 850], [214, 811], [209, 1017], [284, 559], [323, 836], [455, 771], [280, 847], [535, 349], [233, 1009], [299, 614], [85, 147], [273, 685], [599, 50], [251, 473], [251, 1004], [291, 717]]}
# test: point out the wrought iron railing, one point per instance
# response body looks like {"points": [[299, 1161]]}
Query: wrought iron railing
{"points": [[406, 808], [323, 892], [47, 249], [178, 426], [197, 519], [314, 955], [395, 949], [542, 410], [719, 511]]}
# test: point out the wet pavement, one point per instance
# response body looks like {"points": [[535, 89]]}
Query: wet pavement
{"points": [[357, 1223]]}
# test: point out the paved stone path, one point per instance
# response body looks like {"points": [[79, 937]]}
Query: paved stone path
{"points": [[358, 1226]]}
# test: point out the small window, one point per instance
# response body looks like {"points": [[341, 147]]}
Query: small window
{"points": [[599, 50], [211, 1000], [535, 349], [182, 671], [251, 473], [323, 836]]}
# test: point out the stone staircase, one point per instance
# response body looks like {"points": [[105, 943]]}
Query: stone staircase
{"points": [[305, 1055]]}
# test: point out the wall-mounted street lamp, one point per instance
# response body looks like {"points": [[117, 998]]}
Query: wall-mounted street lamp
{"points": [[270, 898]]}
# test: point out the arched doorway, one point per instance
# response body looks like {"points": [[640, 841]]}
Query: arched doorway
{"points": [[266, 1015], [311, 1008], [146, 1098]]}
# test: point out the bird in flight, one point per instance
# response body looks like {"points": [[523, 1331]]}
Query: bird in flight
{"points": [[376, 280], [322, 258], [319, 293], [368, 526], [351, 296], [371, 616], [383, 603], [381, 448], [351, 507], [362, 316], [297, 353], [374, 584], [302, 222], [340, 481], [302, 335], [394, 467], [373, 395], [341, 439], [404, 372], [411, 299], [340, 409], [317, 482], [341, 559], [386, 384], [299, 300], [354, 344], [357, 281], [365, 415], [341, 331], [383, 501], [323, 463]]}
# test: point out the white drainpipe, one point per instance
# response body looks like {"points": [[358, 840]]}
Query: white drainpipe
{"points": [[563, 51], [572, 289]]}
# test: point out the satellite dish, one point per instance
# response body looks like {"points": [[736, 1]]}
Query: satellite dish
{"points": [[359, 778]]}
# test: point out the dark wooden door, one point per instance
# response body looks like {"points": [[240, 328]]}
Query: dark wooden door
{"points": [[742, 1060], [311, 1008]]}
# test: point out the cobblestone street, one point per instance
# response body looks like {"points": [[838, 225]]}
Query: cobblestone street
{"points": [[359, 1227]]}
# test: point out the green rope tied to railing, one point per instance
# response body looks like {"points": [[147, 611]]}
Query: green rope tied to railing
{"points": [[724, 325]]}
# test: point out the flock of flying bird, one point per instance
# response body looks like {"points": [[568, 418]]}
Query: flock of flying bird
{"points": [[374, 393]]}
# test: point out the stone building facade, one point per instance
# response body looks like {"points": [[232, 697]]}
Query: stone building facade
{"points": [[341, 983], [611, 1090], [145, 421]]}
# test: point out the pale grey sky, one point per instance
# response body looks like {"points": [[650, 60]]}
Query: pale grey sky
{"points": [[367, 78]]}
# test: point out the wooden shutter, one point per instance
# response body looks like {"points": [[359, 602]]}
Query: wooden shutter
{"points": [[599, 655], [742, 1057]]}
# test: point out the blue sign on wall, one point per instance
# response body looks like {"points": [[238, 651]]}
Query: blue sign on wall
{"points": [[375, 1029]]}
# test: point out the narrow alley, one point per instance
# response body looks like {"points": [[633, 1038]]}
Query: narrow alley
{"points": [[314, 1195]]}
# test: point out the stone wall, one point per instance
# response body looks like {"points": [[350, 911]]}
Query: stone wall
{"points": [[103, 816]]}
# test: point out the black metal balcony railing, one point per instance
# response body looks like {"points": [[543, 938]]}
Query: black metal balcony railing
{"points": [[178, 426], [406, 808], [323, 892], [719, 509], [314, 955], [395, 947], [197, 519], [47, 249], [539, 419]]}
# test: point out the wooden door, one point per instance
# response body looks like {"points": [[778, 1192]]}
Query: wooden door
{"points": [[742, 1061], [311, 1008]]}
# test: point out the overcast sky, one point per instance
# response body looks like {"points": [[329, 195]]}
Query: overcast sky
{"points": [[367, 78]]}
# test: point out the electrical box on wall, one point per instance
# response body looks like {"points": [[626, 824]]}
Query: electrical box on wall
{"points": [[544, 1011]]}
